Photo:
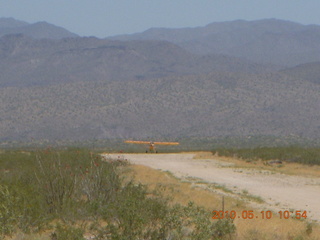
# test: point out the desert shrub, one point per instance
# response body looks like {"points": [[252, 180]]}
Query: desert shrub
{"points": [[309, 156], [54, 184], [134, 215], [193, 222], [67, 232], [8, 216], [74, 186], [139, 217]]}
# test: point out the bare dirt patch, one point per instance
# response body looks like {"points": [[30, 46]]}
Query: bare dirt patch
{"points": [[279, 191]]}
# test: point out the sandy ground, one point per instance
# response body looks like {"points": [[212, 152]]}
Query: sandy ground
{"points": [[279, 191]]}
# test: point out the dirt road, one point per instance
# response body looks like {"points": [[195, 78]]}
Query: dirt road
{"points": [[279, 191]]}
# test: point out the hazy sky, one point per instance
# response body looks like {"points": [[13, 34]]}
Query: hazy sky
{"points": [[104, 18]]}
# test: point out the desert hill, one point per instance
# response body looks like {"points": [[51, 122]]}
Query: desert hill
{"points": [[308, 72], [217, 104]]}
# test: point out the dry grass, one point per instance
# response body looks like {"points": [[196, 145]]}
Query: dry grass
{"points": [[284, 168], [30, 236], [183, 192]]}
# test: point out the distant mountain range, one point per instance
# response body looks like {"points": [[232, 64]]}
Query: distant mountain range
{"points": [[36, 30], [268, 41], [29, 62], [82, 88]]}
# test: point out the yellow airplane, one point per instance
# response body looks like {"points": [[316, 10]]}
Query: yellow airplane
{"points": [[151, 145]]}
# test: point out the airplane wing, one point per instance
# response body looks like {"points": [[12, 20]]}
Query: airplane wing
{"points": [[137, 142], [166, 143], [148, 142]]}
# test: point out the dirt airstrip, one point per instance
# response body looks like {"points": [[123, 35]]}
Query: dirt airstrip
{"points": [[279, 191]]}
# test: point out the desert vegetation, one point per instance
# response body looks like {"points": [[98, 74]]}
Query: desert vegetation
{"points": [[73, 194], [297, 154]]}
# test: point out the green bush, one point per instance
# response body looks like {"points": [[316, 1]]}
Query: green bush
{"points": [[139, 217], [54, 184], [66, 232], [133, 215], [8, 217]]}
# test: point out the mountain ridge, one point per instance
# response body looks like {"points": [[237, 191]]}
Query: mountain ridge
{"points": [[267, 41], [38, 30], [25, 61]]}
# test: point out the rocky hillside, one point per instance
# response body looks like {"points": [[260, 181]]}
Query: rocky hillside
{"points": [[217, 104]]}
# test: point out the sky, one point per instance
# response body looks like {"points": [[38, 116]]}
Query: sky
{"points": [[103, 18]]}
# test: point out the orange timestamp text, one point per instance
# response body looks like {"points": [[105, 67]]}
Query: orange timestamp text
{"points": [[250, 214]]}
